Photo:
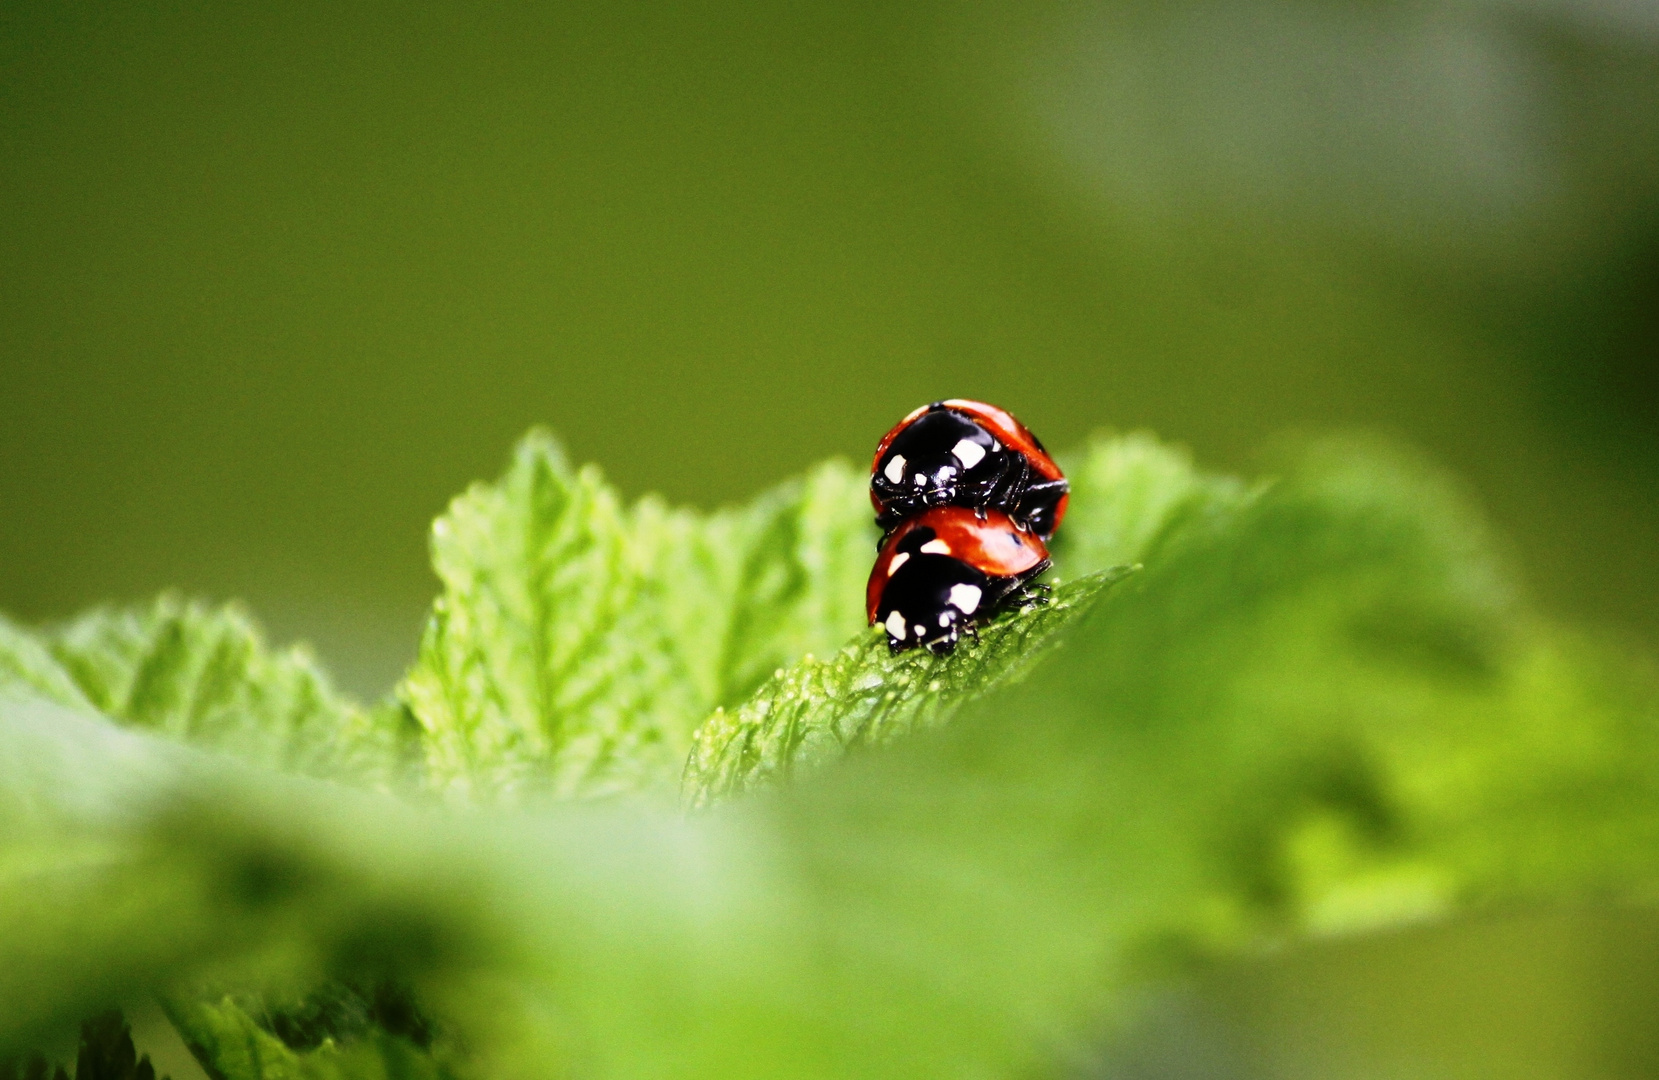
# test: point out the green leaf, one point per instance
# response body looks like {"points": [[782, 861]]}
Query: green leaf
{"points": [[867, 696], [577, 642], [1331, 703], [1319, 708], [106, 1052], [132, 866], [199, 675], [27, 668], [236, 1037], [1130, 494], [204, 675], [746, 591]]}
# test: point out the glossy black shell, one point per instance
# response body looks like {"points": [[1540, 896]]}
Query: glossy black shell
{"points": [[919, 593], [925, 594], [945, 458]]}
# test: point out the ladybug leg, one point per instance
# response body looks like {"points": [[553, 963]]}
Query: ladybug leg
{"points": [[895, 513], [973, 631], [1050, 487], [1033, 597], [892, 518], [1003, 491], [943, 645], [998, 492], [1029, 594]]}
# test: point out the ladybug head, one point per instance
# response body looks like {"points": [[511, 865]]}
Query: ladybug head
{"points": [[937, 454]]}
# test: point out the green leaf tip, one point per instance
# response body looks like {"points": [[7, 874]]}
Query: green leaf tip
{"points": [[578, 641], [866, 696]]}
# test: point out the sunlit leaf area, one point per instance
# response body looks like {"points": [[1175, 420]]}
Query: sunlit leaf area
{"points": [[434, 458]]}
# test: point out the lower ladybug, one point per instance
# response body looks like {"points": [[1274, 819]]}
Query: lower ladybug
{"points": [[966, 453], [946, 568]]}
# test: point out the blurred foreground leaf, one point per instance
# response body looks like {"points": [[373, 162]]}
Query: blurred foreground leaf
{"points": [[1332, 701], [245, 1038]]}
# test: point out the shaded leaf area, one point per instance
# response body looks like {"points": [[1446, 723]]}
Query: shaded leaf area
{"points": [[338, 1031], [866, 696], [106, 1052], [204, 675], [1319, 709], [578, 641], [340, 1013]]}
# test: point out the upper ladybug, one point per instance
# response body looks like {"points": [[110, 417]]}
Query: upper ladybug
{"points": [[966, 453]]}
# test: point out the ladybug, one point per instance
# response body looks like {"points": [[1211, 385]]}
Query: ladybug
{"points": [[966, 453], [946, 568]]}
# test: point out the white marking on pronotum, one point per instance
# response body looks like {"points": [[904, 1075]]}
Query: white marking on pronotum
{"points": [[895, 468], [965, 598], [935, 547], [898, 560], [969, 453], [895, 624], [944, 618], [918, 480]]}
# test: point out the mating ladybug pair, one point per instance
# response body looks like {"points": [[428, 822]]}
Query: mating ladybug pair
{"points": [[967, 498]]}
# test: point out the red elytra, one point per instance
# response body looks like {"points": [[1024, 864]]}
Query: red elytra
{"points": [[994, 546], [1001, 424]]}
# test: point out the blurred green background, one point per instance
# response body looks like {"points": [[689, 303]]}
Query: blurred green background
{"points": [[277, 280]]}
